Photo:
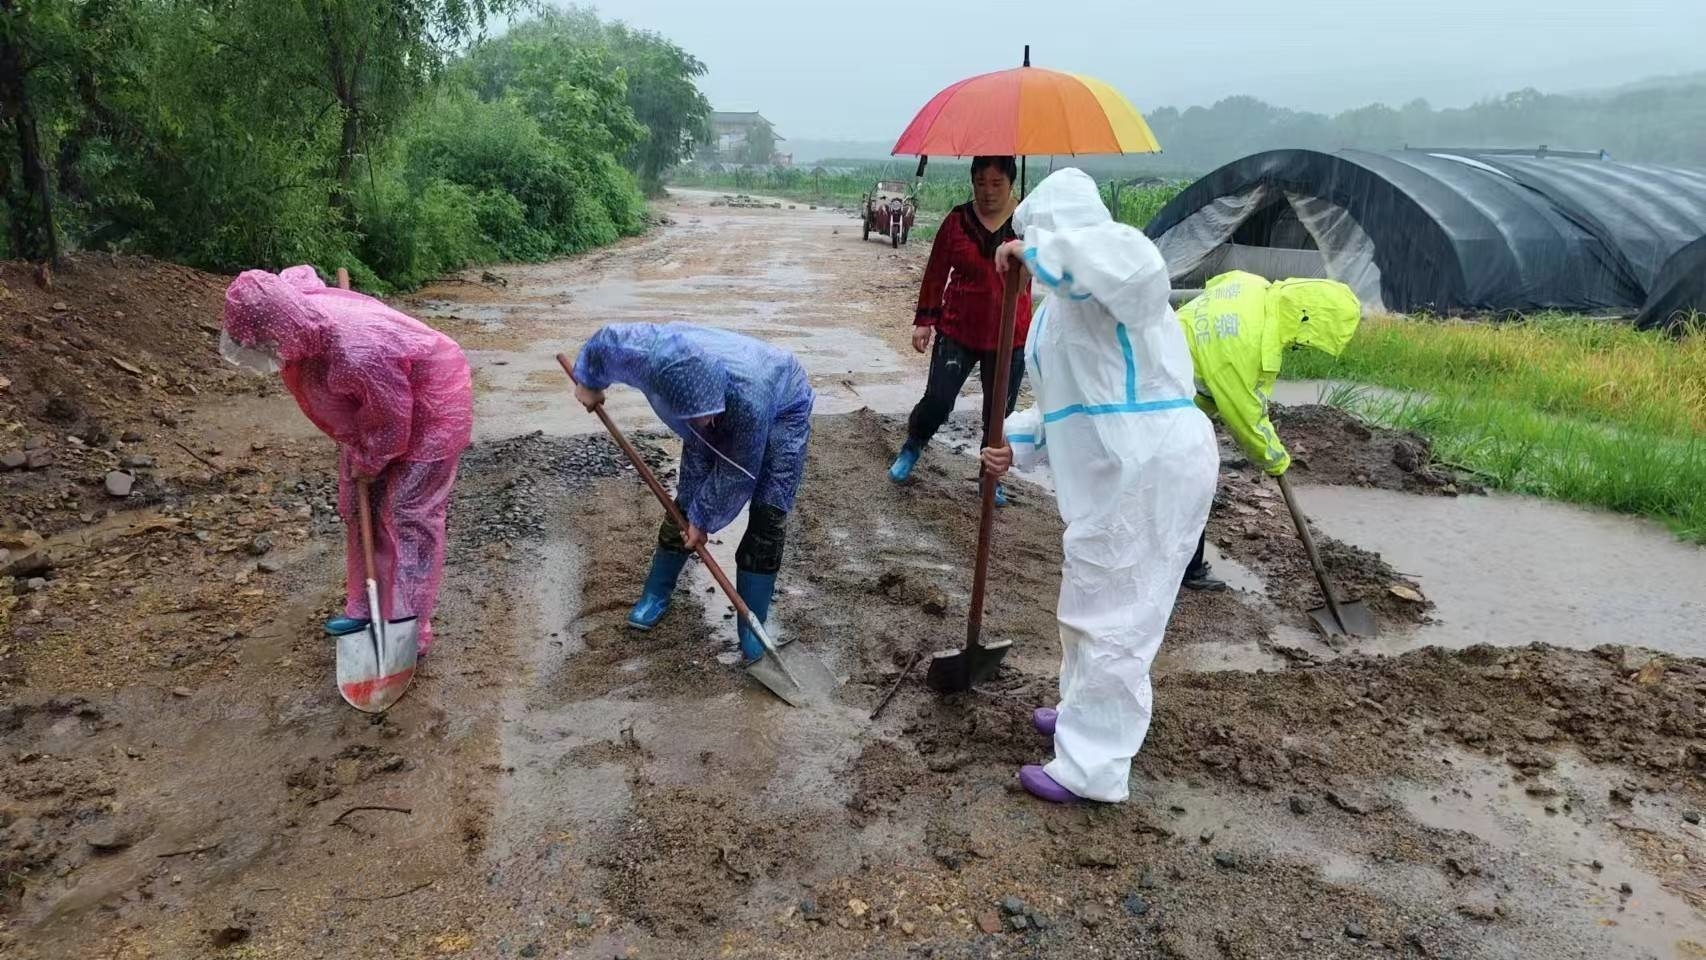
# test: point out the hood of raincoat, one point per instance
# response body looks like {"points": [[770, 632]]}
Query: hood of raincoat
{"points": [[687, 382], [266, 312], [1316, 313], [1065, 200]]}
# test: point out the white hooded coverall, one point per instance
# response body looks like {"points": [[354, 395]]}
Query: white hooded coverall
{"points": [[1134, 465]]}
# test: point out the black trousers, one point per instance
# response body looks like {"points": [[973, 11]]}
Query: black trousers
{"points": [[951, 363], [1197, 564], [760, 550]]}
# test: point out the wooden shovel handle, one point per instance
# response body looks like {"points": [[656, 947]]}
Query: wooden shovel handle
{"points": [[663, 496], [996, 432], [1315, 563]]}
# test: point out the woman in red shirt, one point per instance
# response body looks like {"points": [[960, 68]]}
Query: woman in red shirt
{"points": [[959, 308]]}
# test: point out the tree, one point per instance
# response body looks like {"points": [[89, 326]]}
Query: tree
{"points": [[32, 37], [760, 145], [368, 59], [660, 90], [664, 96]]}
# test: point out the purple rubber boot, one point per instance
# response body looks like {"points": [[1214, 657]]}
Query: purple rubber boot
{"points": [[1043, 718], [1042, 786]]}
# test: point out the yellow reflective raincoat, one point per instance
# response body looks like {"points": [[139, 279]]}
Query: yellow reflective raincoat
{"points": [[1237, 330]]}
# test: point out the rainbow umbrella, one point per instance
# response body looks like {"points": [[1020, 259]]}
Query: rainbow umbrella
{"points": [[1027, 111]]}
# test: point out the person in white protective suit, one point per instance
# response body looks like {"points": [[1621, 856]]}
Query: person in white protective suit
{"points": [[1134, 464]]}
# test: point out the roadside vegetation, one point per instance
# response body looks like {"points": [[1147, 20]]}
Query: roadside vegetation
{"points": [[945, 186], [1589, 412], [395, 140]]}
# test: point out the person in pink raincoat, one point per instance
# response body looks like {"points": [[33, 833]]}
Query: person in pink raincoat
{"points": [[397, 397]]}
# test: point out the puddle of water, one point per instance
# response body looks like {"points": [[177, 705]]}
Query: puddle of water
{"points": [[1510, 570], [1216, 655], [1486, 803], [1235, 574]]}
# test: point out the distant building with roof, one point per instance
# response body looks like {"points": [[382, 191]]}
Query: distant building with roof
{"points": [[730, 131]]}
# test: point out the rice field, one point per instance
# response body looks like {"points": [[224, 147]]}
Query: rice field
{"points": [[1584, 411]]}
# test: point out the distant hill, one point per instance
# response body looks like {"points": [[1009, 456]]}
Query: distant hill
{"points": [[1675, 81]]}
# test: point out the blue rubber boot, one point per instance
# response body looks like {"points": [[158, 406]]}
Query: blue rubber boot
{"points": [[901, 471], [755, 590], [660, 583], [338, 626]]}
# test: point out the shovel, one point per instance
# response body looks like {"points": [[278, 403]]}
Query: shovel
{"points": [[1338, 618], [771, 669], [376, 662], [955, 671]]}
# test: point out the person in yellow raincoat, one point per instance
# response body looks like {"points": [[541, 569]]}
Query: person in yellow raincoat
{"points": [[1238, 330]]}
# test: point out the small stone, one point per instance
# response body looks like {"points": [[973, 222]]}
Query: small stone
{"points": [[1207, 836], [1019, 922], [1625, 889], [261, 545], [1623, 793], [13, 459], [1225, 861], [132, 436], [37, 459], [1149, 881], [181, 692], [1101, 859], [1357, 803], [119, 483], [809, 910], [1012, 906], [908, 927], [1355, 931], [989, 923], [1302, 806], [1538, 732], [858, 907], [1136, 905], [59, 306], [1040, 922], [1692, 816], [269, 565], [1597, 866]]}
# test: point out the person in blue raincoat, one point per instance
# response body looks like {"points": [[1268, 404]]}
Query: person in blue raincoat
{"points": [[743, 411]]}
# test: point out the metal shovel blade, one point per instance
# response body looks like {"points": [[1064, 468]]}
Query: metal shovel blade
{"points": [[791, 673], [376, 663], [956, 671], [1358, 620]]}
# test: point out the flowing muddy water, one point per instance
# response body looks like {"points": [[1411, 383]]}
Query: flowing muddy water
{"points": [[1512, 570]]}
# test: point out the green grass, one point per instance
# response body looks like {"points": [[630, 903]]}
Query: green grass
{"points": [[1583, 411], [944, 187]]}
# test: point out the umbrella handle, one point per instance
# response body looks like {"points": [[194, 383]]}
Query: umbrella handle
{"points": [[1309, 548]]}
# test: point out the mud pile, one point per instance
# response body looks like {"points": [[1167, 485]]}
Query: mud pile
{"points": [[1330, 445]]}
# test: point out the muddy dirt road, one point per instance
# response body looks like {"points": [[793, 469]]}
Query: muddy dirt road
{"points": [[182, 781]]}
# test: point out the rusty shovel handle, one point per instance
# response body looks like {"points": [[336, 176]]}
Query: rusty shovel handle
{"points": [[663, 496], [995, 433], [1315, 564]]}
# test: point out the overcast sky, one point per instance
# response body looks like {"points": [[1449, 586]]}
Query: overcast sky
{"points": [[861, 69]]}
